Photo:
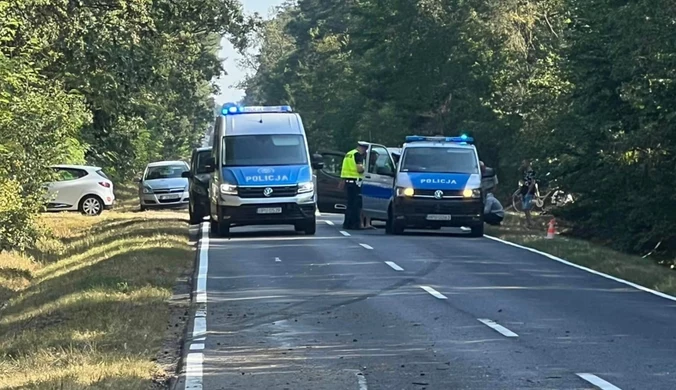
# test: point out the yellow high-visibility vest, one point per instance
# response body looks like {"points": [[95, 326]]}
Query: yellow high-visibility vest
{"points": [[349, 170]]}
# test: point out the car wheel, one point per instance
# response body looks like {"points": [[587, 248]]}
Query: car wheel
{"points": [[91, 206], [196, 213]]}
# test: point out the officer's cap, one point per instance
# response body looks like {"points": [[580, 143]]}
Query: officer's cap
{"points": [[363, 143]]}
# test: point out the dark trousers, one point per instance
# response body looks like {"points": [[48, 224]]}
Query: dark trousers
{"points": [[353, 211], [492, 219]]}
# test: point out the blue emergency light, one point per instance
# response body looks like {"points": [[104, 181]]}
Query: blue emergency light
{"points": [[234, 109], [463, 139]]}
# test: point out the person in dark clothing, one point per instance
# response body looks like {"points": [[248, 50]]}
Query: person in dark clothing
{"points": [[352, 174], [527, 190]]}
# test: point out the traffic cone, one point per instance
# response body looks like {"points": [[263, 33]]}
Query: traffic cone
{"points": [[551, 230]]}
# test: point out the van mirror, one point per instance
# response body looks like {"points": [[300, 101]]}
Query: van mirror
{"points": [[186, 174], [317, 161], [210, 165]]}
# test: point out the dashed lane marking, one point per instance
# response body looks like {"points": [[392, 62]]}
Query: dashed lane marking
{"points": [[498, 328], [598, 382], [433, 292], [366, 246], [394, 266]]}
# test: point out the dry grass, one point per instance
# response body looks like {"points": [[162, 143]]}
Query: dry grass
{"points": [[595, 256], [88, 309]]}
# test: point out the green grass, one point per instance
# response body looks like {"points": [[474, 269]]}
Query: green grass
{"points": [[89, 308], [645, 272]]}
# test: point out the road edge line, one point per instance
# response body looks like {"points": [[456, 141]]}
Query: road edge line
{"points": [[583, 268]]}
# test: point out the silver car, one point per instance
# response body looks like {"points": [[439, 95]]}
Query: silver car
{"points": [[162, 185]]}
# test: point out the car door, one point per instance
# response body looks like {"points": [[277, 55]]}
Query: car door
{"points": [[331, 196], [378, 184], [66, 191]]}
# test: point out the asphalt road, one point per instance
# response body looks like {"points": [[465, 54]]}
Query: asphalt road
{"points": [[287, 311]]}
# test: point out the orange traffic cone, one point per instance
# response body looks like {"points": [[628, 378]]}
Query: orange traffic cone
{"points": [[551, 230]]}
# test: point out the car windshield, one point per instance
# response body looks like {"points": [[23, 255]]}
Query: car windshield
{"points": [[439, 160], [165, 172], [264, 149]]}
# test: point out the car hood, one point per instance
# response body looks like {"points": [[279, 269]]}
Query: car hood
{"points": [[438, 181], [268, 176], [163, 184]]}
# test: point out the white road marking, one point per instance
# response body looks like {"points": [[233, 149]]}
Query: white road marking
{"points": [[433, 292], [330, 223], [194, 361], [566, 262], [199, 328], [366, 246], [193, 371], [201, 292], [394, 265], [278, 260], [362, 381], [346, 234], [498, 328], [598, 382]]}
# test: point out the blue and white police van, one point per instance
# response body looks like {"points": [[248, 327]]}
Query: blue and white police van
{"points": [[436, 183], [263, 173]]}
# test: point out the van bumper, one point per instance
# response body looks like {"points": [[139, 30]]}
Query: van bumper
{"points": [[424, 212], [267, 211]]}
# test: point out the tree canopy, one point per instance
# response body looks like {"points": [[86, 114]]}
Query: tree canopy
{"points": [[583, 88], [113, 83]]}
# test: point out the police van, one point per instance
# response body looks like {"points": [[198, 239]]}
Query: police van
{"points": [[262, 171], [436, 183]]}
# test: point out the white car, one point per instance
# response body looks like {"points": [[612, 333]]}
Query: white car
{"points": [[163, 185], [80, 188]]}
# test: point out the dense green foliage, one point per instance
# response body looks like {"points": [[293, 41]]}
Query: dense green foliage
{"points": [[113, 83], [584, 88]]}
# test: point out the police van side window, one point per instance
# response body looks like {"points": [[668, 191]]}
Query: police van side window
{"points": [[380, 162]]}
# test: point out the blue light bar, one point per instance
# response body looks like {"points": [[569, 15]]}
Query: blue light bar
{"points": [[234, 109], [463, 139]]}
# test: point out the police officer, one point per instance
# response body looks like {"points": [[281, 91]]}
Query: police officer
{"points": [[352, 174]]}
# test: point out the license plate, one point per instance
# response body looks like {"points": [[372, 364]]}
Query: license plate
{"points": [[438, 217], [270, 210], [167, 197]]}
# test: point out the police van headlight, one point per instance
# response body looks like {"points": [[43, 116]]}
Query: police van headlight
{"points": [[475, 193], [228, 189], [405, 191], [304, 188]]}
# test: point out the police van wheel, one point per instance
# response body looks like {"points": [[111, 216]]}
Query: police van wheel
{"points": [[310, 227], [392, 227], [223, 229], [477, 231]]}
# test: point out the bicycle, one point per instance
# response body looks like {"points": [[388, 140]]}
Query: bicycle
{"points": [[557, 197]]}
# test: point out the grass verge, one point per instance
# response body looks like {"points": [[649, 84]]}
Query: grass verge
{"points": [[90, 308], [644, 272]]}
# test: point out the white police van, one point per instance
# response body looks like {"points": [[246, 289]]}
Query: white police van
{"points": [[436, 183], [262, 171]]}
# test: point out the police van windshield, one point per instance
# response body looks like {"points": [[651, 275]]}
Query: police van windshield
{"points": [[264, 149], [439, 160]]}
